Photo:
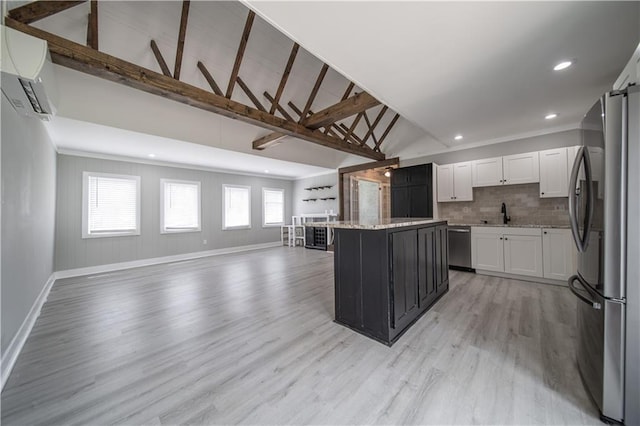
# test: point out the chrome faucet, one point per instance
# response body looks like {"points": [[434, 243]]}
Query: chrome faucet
{"points": [[505, 218]]}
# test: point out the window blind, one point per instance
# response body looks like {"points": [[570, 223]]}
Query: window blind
{"points": [[236, 207], [181, 206], [273, 208], [112, 204]]}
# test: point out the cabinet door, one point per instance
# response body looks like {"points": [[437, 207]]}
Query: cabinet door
{"points": [[442, 259], [523, 255], [404, 286], [426, 266], [553, 173], [487, 251], [400, 176], [521, 168], [462, 182], [487, 172], [418, 174], [445, 183], [420, 202], [400, 202], [558, 254]]}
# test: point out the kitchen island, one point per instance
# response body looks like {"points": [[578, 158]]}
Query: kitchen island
{"points": [[388, 273]]}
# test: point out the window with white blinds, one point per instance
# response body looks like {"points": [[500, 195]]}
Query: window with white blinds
{"points": [[110, 205], [237, 207], [272, 207], [180, 206]]}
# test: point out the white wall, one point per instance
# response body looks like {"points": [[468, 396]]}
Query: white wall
{"points": [[72, 251], [300, 193], [536, 143], [28, 216]]}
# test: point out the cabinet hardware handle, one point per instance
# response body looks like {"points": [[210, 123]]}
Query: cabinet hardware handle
{"points": [[545, 232], [500, 237], [542, 193], [505, 238]]}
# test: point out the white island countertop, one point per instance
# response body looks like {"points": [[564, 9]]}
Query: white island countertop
{"points": [[396, 222]]}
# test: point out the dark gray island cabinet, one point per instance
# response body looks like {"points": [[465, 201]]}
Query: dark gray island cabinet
{"points": [[388, 273]]}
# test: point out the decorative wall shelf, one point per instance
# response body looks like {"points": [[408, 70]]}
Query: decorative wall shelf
{"points": [[315, 188]]}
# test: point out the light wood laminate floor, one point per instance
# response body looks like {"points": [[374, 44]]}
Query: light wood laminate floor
{"points": [[248, 338]]}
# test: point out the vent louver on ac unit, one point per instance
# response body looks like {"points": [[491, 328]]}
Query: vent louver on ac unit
{"points": [[26, 70]]}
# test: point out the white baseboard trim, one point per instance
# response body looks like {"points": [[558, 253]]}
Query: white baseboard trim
{"points": [[538, 280], [18, 341], [99, 269]]}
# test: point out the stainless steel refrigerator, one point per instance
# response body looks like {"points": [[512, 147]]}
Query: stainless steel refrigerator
{"points": [[605, 222]]}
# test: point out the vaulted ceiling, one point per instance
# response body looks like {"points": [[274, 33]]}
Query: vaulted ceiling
{"points": [[480, 69]]}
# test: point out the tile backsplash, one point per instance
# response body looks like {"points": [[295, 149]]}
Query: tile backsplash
{"points": [[524, 205]]}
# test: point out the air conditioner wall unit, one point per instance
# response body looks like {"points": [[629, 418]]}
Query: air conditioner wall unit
{"points": [[28, 79]]}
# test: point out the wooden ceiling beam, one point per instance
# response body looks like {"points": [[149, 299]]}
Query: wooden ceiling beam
{"points": [[240, 54], [386, 132], [181, 35], [207, 75], [160, 59], [284, 78], [250, 94], [37, 10], [354, 124], [343, 109], [353, 105], [279, 107], [328, 129], [368, 166], [375, 124], [82, 58], [92, 26], [314, 92], [366, 120], [348, 91]]}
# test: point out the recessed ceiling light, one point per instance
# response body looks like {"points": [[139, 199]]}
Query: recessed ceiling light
{"points": [[550, 116], [152, 155], [562, 65], [387, 173], [266, 171], [458, 137]]}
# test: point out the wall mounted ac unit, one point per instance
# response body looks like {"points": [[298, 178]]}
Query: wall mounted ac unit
{"points": [[28, 80]]}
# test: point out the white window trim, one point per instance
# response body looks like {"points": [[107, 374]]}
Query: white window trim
{"points": [[230, 228], [85, 206], [273, 225], [163, 229]]}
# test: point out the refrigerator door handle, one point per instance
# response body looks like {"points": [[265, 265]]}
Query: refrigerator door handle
{"points": [[573, 199], [575, 290], [590, 200]]}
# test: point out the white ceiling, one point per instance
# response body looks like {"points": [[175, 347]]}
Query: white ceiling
{"points": [[477, 68], [480, 69], [81, 137]]}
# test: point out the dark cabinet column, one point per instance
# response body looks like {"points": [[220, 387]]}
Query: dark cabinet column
{"points": [[426, 266], [400, 202], [442, 259], [404, 258]]}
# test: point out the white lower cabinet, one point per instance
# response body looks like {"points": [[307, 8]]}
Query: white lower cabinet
{"points": [[523, 254], [487, 250], [559, 253], [505, 249]]}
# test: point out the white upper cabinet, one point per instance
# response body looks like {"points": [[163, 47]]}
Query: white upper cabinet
{"points": [[444, 177], [487, 172], [521, 168], [553, 173], [454, 182], [462, 186]]}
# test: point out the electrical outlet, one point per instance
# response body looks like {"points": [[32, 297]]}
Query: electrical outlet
{"points": [[204, 242]]}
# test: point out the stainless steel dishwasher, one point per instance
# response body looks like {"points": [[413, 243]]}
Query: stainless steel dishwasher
{"points": [[460, 247]]}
